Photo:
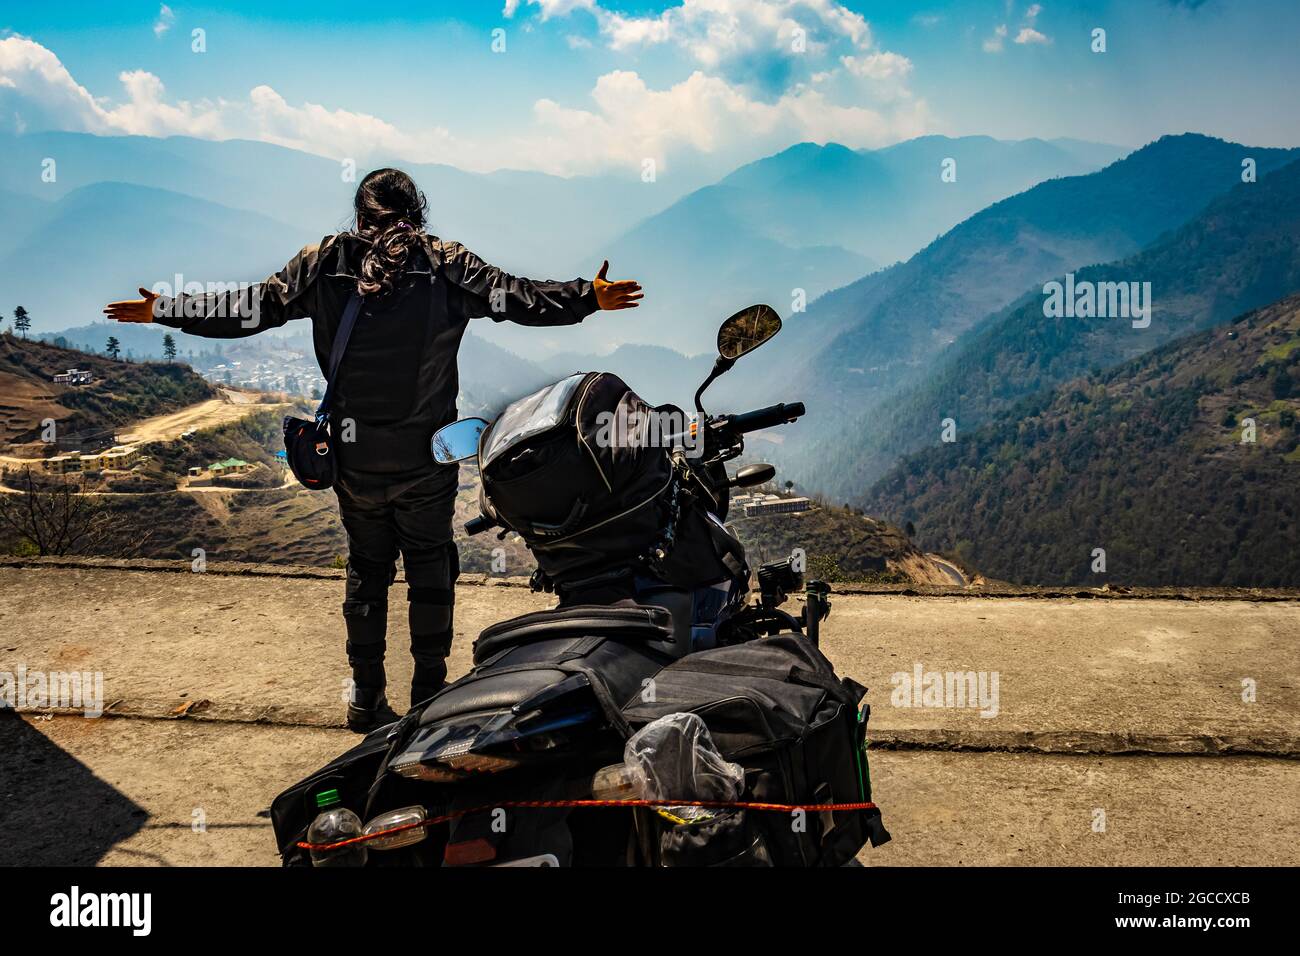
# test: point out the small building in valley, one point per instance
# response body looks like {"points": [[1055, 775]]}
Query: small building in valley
{"points": [[69, 464], [231, 466], [117, 458], [74, 376], [774, 504]]}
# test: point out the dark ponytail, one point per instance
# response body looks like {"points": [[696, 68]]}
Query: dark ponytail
{"points": [[390, 216]]}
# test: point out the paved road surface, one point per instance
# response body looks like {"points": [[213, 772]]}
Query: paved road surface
{"points": [[1079, 682]]}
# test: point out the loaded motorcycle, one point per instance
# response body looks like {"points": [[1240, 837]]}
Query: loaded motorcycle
{"points": [[659, 714]]}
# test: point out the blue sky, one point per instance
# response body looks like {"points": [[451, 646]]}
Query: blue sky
{"points": [[597, 86]]}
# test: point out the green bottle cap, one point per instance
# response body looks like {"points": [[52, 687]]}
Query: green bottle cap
{"points": [[327, 798]]}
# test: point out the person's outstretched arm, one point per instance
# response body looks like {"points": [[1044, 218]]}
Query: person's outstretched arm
{"points": [[486, 291], [233, 311]]}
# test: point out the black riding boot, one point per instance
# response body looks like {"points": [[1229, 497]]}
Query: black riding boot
{"points": [[367, 623], [432, 596], [430, 654]]}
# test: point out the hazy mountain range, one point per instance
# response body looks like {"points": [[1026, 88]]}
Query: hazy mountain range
{"points": [[813, 218], [125, 211], [903, 325], [1060, 421]]}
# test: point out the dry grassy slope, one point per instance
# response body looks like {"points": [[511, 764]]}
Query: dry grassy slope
{"points": [[25, 399], [122, 392], [841, 546], [295, 526], [287, 526]]}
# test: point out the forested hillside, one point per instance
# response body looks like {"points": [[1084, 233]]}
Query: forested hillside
{"points": [[1183, 466], [1241, 253]]}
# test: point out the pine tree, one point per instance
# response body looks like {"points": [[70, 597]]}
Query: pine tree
{"points": [[22, 321], [169, 347], [113, 347]]}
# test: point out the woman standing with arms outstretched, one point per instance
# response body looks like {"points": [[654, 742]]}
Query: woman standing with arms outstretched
{"points": [[396, 386]]}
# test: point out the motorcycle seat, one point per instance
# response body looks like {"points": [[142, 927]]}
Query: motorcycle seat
{"points": [[497, 691], [626, 622]]}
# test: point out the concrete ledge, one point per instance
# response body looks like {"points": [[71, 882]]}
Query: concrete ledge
{"points": [[1046, 592], [1088, 742], [231, 569], [1057, 592], [956, 741], [1073, 676]]}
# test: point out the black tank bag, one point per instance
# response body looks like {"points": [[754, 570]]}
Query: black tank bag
{"points": [[580, 473], [776, 707]]}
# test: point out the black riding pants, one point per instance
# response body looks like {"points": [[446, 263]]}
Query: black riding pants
{"points": [[411, 517]]}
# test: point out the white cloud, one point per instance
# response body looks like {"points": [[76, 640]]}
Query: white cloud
{"points": [[746, 41], [878, 66], [1030, 35], [993, 44], [551, 8], [165, 20], [146, 113], [885, 75], [1027, 33], [44, 91], [341, 133], [624, 122], [45, 96], [702, 114]]}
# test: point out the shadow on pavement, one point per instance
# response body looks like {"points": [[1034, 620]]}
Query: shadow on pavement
{"points": [[53, 810]]}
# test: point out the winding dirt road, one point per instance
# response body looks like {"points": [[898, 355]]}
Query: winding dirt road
{"points": [[213, 413]]}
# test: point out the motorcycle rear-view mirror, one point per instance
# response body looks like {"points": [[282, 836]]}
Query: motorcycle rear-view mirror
{"points": [[457, 441], [747, 330], [739, 335]]}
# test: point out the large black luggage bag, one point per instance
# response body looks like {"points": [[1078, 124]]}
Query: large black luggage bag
{"points": [[776, 707]]}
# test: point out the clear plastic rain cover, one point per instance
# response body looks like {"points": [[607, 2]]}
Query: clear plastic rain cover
{"points": [[531, 415], [674, 758]]}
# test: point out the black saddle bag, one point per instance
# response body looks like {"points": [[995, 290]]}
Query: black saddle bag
{"points": [[776, 707]]}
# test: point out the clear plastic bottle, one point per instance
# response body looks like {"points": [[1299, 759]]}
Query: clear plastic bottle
{"points": [[335, 822]]}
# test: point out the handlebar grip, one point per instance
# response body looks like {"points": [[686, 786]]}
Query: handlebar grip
{"points": [[479, 524], [778, 414]]}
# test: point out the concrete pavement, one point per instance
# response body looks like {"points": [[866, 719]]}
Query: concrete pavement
{"points": [[254, 663]]}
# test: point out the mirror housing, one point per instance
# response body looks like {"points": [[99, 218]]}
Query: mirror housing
{"points": [[739, 335], [747, 330], [457, 441], [751, 475]]}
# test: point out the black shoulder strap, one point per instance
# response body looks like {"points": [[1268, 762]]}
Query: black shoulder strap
{"points": [[350, 313]]}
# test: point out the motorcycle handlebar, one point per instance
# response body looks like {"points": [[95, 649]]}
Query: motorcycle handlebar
{"points": [[779, 414], [479, 524]]}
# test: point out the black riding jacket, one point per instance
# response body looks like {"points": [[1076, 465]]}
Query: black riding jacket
{"points": [[398, 379]]}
